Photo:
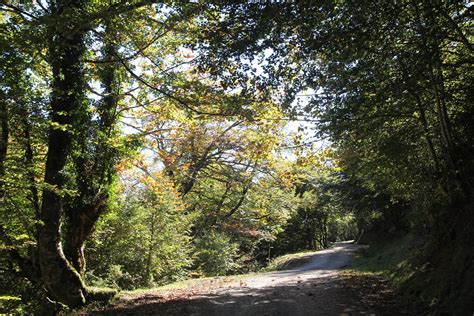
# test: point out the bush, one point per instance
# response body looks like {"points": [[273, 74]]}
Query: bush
{"points": [[215, 254]]}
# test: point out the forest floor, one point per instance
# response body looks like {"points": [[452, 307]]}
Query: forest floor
{"points": [[320, 286]]}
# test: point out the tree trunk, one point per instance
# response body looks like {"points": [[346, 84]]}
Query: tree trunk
{"points": [[94, 171], [80, 225], [3, 140], [423, 118], [66, 48], [426, 131]]}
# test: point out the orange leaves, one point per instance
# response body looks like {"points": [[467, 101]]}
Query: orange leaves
{"points": [[122, 166], [237, 227]]}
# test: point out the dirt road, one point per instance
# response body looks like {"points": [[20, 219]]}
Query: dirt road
{"points": [[315, 288], [324, 263]]}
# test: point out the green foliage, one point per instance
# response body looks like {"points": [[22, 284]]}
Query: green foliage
{"points": [[323, 214], [143, 241], [167, 100], [10, 304], [391, 84], [215, 254], [21, 297]]}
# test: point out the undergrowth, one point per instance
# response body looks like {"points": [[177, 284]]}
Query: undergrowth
{"points": [[434, 280]]}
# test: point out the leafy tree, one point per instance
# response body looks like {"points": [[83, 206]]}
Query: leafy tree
{"points": [[79, 144], [145, 237], [86, 83]]}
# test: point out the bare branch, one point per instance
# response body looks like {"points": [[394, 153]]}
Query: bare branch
{"points": [[15, 9]]}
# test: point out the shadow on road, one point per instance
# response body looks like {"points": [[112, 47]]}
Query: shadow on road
{"points": [[332, 295], [315, 288]]}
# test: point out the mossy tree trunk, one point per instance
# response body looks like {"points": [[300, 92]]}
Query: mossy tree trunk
{"points": [[66, 48], [94, 161]]}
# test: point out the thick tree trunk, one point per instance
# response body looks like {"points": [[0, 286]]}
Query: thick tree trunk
{"points": [[93, 176], [66, 49], [81, 222], [59, 278]]}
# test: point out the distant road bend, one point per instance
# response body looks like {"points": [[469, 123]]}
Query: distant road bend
{"points": [[324, 263]]}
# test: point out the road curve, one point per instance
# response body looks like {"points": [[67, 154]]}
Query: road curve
{"points": [[314, 288], [323, 263]]}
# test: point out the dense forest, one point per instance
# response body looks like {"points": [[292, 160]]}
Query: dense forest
{"points": [[144, 142]]}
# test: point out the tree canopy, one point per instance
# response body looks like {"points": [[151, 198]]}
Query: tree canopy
{"points": [[160, 140]]}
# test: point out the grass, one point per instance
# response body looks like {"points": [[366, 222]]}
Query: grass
{"points": [[100, 294], [288, 261], [435, 280], [172, 286], [179, 285], [185, 284], [391, 259]]}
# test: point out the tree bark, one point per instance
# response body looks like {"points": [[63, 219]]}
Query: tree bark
{"points": [[81, 222], [66, 49], [93, 178]]}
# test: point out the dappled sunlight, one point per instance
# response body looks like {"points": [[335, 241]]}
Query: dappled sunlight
{"points": [[174, 152], [313, 296], [299, 291]]}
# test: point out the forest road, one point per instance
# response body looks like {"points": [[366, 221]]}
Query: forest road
{"points": [[314, 288]]}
